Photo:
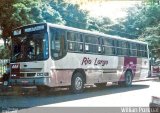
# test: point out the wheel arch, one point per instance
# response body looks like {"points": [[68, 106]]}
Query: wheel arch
{"points": [[80, 71]]}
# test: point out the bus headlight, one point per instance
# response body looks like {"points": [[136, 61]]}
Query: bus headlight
{"points": [[39, 74], [13, 75], [42, 74]]}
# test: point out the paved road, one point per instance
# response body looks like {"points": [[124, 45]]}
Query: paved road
{"points": [[112, 96]]}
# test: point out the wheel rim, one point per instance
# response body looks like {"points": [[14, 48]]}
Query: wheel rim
{"points": [[78, 83], [128, 78]]}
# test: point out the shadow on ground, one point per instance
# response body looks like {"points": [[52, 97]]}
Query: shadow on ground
{"points": [[63, 95]]}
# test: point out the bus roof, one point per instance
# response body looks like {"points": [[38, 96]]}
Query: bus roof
{"points": [[93, 32], [87, 32]]}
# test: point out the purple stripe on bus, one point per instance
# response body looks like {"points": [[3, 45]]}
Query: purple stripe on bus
{"points": [[129, 63]]}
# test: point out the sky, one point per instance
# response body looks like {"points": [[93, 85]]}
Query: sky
{"points": [[111, 9]]}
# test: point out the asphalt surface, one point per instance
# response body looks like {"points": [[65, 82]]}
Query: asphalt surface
{"points": [[112, 96]]}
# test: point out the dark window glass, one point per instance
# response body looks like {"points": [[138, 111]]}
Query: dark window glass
{"points": [[108, 46], [119, 47], [92, 44], [58, 45], [125, 48], [75, 42], [133, 49]]}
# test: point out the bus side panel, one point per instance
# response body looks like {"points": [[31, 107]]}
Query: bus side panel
{"points": [[94, 76], [114, 74], [60, 77], [144, 68], [130, 63], [120, 69], [138, 69]]}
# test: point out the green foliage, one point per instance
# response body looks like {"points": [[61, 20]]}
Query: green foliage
{"points": [[100, 24], [144, 22], [15, 13], [71, 13], [19, 12], [4, 53]]}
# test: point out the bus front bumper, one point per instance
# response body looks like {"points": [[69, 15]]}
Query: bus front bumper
{"points": [[33, 81]]}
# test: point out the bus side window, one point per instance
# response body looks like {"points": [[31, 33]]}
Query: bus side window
{"points": [[115, 46], [133, 49], [146, 51], [100, 45], [119, 47], [80, 37], [143, 50], [139, 50], [75, 42], [92, 44], [57, 43], [124, 48], [109, 46], [87, 49]]}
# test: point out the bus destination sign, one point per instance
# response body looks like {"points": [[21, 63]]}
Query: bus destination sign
{"points": [[28, 29], [35, 28]]}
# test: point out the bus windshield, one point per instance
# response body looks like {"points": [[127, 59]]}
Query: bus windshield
{"points": [[30, 47]]}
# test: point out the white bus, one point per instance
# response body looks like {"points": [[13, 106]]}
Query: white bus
{"points": [[53, 55]]}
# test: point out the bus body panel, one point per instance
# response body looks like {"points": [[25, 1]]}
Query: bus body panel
{"points": [[113, 71]]}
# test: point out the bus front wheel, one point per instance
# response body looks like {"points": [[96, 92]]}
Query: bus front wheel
{"points": [[77, 83]]}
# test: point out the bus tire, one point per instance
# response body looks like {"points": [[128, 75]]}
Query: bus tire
{"points": [[128, 78], [101, 85], [77, 83]]}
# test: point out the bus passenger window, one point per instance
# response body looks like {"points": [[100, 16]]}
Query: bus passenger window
{"points": [[75, 42], [108, 46], [87, 47], [99, 48], [92, 44], [81, 47], [119, 47], [57, 43]]}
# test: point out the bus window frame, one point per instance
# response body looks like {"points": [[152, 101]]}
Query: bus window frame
{"points": [[64, 50], [98, 44], [75, 41]]}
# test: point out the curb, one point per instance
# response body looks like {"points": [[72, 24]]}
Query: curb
{"points": [[147, 79]]}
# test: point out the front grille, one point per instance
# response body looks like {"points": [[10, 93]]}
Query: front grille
{"points": [[31, 74], [17, 75]]}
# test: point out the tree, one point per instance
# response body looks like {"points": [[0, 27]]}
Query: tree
{"points": [[4, 53], [144, 22], [15, 13], [99, 24], [71, 13]]}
